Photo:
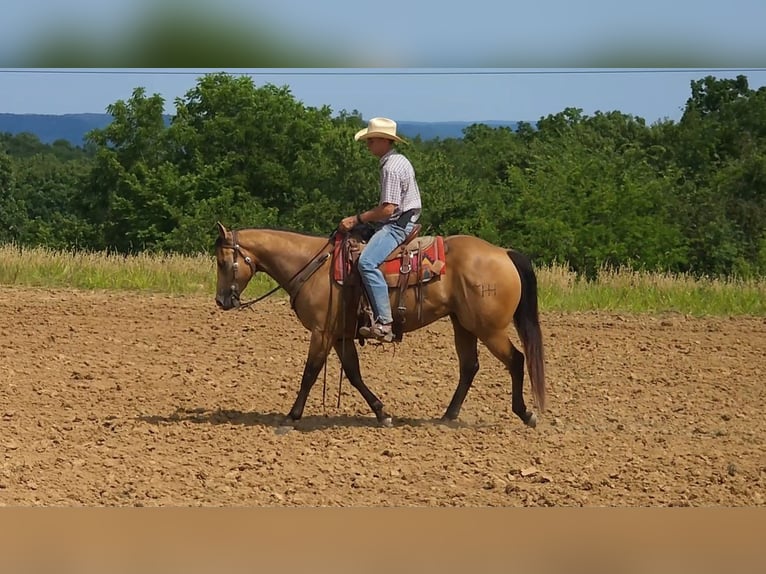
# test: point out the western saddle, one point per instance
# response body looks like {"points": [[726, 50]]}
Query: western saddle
{"points": [[403, 268]]}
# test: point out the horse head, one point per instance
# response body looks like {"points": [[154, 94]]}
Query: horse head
{"points": [[236, 266]]}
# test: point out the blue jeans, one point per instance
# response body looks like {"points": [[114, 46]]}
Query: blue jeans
{"points": [[380, 246]]}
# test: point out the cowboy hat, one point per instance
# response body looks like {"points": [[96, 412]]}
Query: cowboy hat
{"points": [[379, 128]]}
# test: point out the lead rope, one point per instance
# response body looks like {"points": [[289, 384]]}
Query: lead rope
{"points": [[326, 330], [343, 345]]}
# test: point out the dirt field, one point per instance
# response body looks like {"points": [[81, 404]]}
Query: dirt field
{"points": [[110, 399]]}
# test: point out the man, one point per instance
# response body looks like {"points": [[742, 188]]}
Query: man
{"points": [[398, 210]]}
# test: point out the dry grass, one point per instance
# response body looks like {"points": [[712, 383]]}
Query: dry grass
{"points": [[560, 289], [641, 291]]}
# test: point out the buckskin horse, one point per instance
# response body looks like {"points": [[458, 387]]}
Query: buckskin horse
{"points": [[483, 288]]}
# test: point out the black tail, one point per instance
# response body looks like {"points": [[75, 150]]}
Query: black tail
{"points": [[527, 323]]}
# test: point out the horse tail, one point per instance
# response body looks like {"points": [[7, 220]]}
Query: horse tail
{"points": [[527, 322]]}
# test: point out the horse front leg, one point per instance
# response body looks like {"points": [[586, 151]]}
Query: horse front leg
{"points": [[319, 347], [349, 359]]}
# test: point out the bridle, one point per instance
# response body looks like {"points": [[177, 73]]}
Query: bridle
{"points": [[234, 289], [296, 280]]}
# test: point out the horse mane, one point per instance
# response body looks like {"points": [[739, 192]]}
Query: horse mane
{"points": [[219, 239], [281, 230]]}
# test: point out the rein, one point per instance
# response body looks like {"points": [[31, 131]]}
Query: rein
{"points": [[261, 298], [296, 280]]}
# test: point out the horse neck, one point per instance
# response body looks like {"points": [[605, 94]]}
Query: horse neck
{"points": [[280, 254]]}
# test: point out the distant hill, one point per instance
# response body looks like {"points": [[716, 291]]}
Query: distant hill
{"points": [[49, 128], [73, 127], [444, 130]]}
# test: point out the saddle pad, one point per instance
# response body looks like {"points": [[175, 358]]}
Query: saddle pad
{"points": [[427, 263]]}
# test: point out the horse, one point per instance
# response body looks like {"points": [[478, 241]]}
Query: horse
{"points": [[483, 289]]}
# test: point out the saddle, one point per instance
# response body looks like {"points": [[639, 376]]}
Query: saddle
{"points": [[416, 261]]}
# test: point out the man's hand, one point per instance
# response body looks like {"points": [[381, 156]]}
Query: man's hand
{"points": [[347, 223]]}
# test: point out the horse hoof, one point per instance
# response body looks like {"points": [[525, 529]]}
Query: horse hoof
{"points": [[531, 421], [284, 429], [386, 422]]}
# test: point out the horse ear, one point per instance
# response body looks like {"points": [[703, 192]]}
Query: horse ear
{"points": [[221, 229]]}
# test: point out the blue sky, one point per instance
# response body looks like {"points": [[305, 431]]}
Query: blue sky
{"points": [[557, 44], [427, 32], [403, 94]]}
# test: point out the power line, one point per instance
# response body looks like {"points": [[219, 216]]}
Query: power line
{"points": [[382, 71]]}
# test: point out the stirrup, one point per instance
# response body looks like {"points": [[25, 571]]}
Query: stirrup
{"points": [[377, 331]]}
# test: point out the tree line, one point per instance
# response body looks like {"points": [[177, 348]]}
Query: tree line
{"points": [[590, 192]]}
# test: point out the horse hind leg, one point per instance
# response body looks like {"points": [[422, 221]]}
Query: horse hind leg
{"points": [[517, 389], [500, 345], [468, 357]]}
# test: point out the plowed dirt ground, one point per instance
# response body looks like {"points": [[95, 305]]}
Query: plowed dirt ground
{"points": [[119, 399]]}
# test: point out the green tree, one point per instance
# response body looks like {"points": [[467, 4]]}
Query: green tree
{"points": [[719, 146], [12, 213], [40, 187], [48, 188], [129, 194], [590, 197], [255, 135]]}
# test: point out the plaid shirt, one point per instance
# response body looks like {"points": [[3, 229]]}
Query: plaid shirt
{"points": [[398, 184]]}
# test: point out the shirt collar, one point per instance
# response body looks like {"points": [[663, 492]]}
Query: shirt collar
{"points": [[384, 157]]}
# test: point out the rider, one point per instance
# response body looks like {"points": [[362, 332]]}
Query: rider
{"points": [[398, 210]]}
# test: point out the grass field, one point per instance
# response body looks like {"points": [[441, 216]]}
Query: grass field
{"points": [[621, 290]]}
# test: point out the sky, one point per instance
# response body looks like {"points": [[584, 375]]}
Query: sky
{"points": [[404, 94], [422, 33], [497, 60]]}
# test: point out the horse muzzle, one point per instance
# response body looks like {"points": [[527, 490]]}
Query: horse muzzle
{"points": [[228, 301]]}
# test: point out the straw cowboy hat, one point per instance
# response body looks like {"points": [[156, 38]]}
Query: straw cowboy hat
{"points": [[379, 128]]}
